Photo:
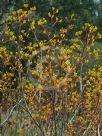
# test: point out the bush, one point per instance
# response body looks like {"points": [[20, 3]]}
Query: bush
{"points": [[47, 78]]}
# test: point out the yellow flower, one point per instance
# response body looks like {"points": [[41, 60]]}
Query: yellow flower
{"points": [[45, 118], [20, 37], [30, 48], [60, 57], [35, 53], [99, 36], [29, 88], [26, 55], [34, 116], [49, 14], [19, 11], [63, 30], [100, 68], [57, 10], [78, 33], [26, 5], [13, 38], [57, 19], [42, 22], [33, 25], [67, 62], [33, 8], [39, 88], [57, 108], [87, 25], [69, 79], [34, 73], [23, 31], [96, 54]]}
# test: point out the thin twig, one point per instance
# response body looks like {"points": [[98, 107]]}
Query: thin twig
{"points": [[10, 113]]}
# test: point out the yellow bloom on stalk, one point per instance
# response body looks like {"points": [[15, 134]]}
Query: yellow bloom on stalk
{"points": [[26, 55], [63, 30], [58, 108], [26, 5], [69, 69], [99, 36], [75, 97], [49, 14], [63, 51], [33, 25], [96, 54], [60, 57], [87, 25], [100, 68], [93, 29], [57, 10], [45, 48], [42, 22], [45, 118], [13, 38], [3, 55], [39, 88], [29, 87], [67, 62], [30, 48], [78, 33], [57, 19], [11, 33], [34, 73], [34, 116], [8, 18], [35, 53], [69, 79], [33, 8], [88, 104], [41, 43], [22, 31], [19, 11], [20, 37]]}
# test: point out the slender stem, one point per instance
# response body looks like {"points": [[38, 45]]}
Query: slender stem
{"points": [[54, 114], [10, 113]]}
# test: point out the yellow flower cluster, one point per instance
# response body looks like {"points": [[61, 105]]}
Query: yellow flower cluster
{"points": [[50, 71], [42, 22]]}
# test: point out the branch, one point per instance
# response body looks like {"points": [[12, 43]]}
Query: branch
{"points": [[99, 132], [81, 82], [86, 129]]}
